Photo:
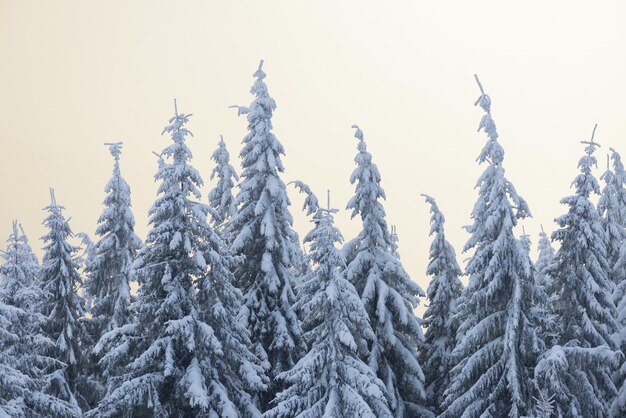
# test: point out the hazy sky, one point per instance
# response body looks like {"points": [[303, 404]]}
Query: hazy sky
{"points": [[76, 74]]}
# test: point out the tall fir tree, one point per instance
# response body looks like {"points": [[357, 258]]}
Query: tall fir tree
{"points": [[108, 280], [618, 268], [262, 233], [25, 365], [221, 199], [61, 305], [108, 264], [331, 380], [492, 376], [611, 212], [583, 304], [546, 260], [19, 272], [388, 293], [618, 271], [443, 292], [176, 364]]}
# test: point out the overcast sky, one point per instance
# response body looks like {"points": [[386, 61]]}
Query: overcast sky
{"points": [[76, 74]]}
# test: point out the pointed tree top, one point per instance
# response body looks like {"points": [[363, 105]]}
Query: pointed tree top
{"points": [[591, 144], [22, 231], [358, 134], [259, 73], [115, 148], [329, 209], [542, 231], [328, 198], [175, 108], [53, 199], [482, 91], [15, 228], [524, 234], [221, 143], [484, 101], [429, 199]]}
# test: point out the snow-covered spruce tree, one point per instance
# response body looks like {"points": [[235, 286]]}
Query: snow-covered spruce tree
{"points": [[546, 260], [19, 272], [582, 301], [619, 265], [107, 285], [494, 360], [221, 198], [23, 359], [612, 218], [388, 293], [443, 292], [61, 306], [262, 233], [618, 271], [176, 365], [331, 380]]}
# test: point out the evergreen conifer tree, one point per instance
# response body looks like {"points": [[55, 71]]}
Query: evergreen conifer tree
{"points": [[611, 215], [583, 304], [262, 233], [61, 306], [494, 359], [108, 279], [546, 260], [221, 199], [331, 380], [108, 264], [388, 293], [25, 366], [444, 290]]}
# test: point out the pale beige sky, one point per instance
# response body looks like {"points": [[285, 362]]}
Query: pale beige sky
{"points": [[76, 74]]}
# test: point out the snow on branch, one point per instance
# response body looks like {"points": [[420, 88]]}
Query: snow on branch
{"points": [[311, 203]]}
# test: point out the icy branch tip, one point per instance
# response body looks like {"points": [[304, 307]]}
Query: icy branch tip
{"points": [[593, 133], [52, 197], [328, 199], [482, 91], [591, 141]]}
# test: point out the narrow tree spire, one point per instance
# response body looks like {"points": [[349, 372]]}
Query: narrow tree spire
{"points": [[583, 305], [62, 306], [221, 198], [491, 375], [262, 232], [443, 292], [387, 291]]}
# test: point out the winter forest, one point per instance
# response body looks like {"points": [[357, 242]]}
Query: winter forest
{"points": [[224, 311]]}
